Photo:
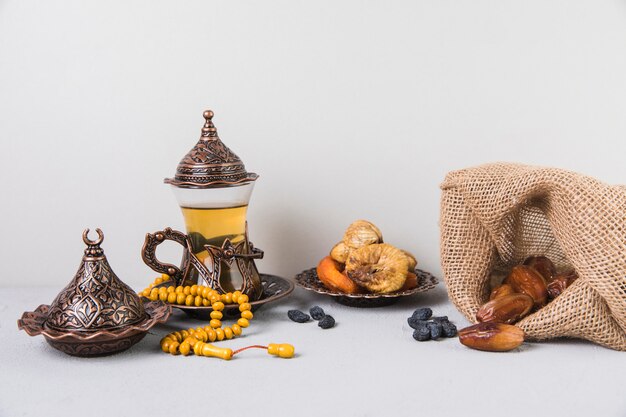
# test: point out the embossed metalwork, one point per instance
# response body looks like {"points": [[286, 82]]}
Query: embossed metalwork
{"points": [[210, 163], [96, 298], [93, 343], [178, 274], [242, 254], [309, 280], [96, 313]]}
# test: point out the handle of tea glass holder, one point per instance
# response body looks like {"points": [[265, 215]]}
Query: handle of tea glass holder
{"points": [[255, 253], [148, 253]]}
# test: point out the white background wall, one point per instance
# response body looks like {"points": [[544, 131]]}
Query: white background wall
{"points": [[351, 109]]}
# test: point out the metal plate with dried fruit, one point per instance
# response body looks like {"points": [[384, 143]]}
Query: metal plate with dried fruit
{"points": [[309, 280]]}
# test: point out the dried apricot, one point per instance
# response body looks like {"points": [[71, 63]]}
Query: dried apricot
{"points": [[329, 272], [410, 283]]}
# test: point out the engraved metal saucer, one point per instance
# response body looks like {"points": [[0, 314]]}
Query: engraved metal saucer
{"points": [[309, 280], [274, 289], [93, 343]]}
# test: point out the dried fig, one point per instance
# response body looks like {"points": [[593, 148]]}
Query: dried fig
{"points": [[527, 280], [362, 233], [380, 268], [543, 265], [561, 282], [411, 259], [501, 291], [505, 309], [340, 252], [492, 337]]}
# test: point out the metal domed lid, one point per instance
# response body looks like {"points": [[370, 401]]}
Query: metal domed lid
{"points": [[96, 298], [210, 163]]}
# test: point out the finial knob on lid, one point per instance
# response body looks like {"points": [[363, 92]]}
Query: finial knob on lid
{"points": [[209, 129]]}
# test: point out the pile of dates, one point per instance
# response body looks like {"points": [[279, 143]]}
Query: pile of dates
{"points": [[526, 289]]}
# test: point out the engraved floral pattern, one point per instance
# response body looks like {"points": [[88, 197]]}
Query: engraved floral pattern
{"points": [[94, 343], [211, 152], [95, 299]]}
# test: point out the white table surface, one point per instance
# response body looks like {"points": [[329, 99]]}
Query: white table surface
{"points": [[368, 365]]}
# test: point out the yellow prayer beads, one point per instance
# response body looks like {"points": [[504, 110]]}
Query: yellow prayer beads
{"points": [[196, 296], [194, 341], [198, 341], [188, 341], [159, 280]]}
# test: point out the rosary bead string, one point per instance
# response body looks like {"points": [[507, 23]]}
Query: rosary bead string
{"points": [[194, 341]]}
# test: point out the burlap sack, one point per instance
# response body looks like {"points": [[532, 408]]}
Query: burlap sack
{"points": [[494, 216]]}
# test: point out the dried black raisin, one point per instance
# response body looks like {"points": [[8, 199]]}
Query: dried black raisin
{"points": [[421, 334], [317, 312], [422, 313], [415, 323], [436, 330], [326, 322], [298, 316], [449, 329]]}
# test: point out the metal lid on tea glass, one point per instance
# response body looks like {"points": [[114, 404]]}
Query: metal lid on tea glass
{"points": [[210, 163], [96, 298]]}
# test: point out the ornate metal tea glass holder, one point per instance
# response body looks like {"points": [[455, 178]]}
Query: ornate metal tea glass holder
{"points": [[242, 254]]}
